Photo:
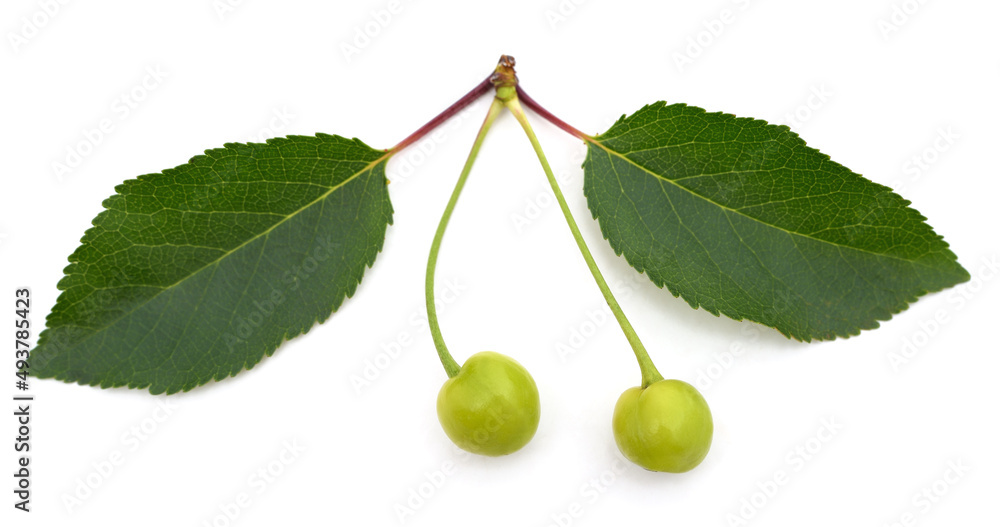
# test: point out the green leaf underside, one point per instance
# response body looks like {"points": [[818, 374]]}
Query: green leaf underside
{"points": [[740, 217], [198, 272]]}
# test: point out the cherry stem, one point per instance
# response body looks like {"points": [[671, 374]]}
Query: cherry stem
{"points": [[448, 113], [533, 105], [649, 372], [450, 366]]}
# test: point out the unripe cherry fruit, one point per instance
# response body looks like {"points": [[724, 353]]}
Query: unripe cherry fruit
{"points": [[666, 427], [491, 407]]}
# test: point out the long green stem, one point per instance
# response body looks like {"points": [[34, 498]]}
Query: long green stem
{"points": [[649, 371], [450, 366]]}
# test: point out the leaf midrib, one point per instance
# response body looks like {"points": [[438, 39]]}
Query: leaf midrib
{"points": [[370, 166], [595, 141]]}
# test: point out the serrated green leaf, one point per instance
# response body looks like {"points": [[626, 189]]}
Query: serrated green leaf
{"points": [[198, 272], [740, 217]]}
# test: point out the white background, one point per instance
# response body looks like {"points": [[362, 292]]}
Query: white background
{"points": [[522, 290]]}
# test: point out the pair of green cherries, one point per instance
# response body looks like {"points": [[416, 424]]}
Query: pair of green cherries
{"points": [[491, 408], [490, 404]]}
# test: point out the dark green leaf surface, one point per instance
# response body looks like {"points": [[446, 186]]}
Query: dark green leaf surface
{"points": [[198, 272], [740, 217]]}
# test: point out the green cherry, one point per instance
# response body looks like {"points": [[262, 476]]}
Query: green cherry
{"points": [[491, 406], [666, 427]]}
